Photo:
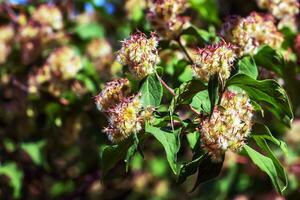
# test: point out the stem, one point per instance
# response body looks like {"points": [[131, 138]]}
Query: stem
{"points": [[184, 51], [165, 85]]}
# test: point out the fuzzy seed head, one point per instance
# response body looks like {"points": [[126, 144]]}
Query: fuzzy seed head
{"points": [[140, 54], [125, 119], [48, 15], [214, 59], [165, 16], [64, 62], [98, 48], [229, 125], [112, 94], [251, 32]]}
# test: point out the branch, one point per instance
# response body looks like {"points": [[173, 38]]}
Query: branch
{"points": [[184, 51]]}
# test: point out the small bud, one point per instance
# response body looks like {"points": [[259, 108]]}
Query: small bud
{"points": [[165, 17], [111, 95], [214, 59], [229, 125], [251, 32], [125, 119], [140, 54]]}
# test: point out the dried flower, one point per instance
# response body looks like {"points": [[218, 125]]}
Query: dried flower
{"points": [[125, 119], [214, 59], [64, 62], [112, 93], [229, 125], [6, 37], [251, 32], [140, 54], [166, 18], [48, 15]]}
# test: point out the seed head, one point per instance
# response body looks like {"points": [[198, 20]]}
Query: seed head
{"points": [[125, 119], [140, 54], [165, 16], [214, 59], [112, 94], [229, 125], [251, 32]]}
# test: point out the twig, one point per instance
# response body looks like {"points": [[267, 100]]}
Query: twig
{"points": [[165, 85], [184, 51]]}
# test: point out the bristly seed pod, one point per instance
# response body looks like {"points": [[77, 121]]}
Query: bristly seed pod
{"points": [[126, 118], [111, 94], [229, 125], [212, 59], [140, 54], [251, 32]]}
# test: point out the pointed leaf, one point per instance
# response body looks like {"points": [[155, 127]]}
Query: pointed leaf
{"points": [[151, 91]]}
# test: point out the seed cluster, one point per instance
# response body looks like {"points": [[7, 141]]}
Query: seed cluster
{"points": [[165, 16], [229, 125], [284, 10], [214, 59], [6, 38], [251, 32], [140, 54]]}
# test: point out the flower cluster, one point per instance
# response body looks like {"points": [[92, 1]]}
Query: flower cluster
{"points": [[112, 94], [165, 16], [6, 37], [229, 125], [62, 64], [284, 10], [251, 32], [140, 54], [125, 119], [100, 52], [42, 30], [214, 59], [48, 15]]}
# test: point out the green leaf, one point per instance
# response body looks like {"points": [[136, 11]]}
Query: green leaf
{"points": [[192, 139], [15, 175], [188, 169], [89, 31], [201, 102], [283, 182], [207, 9], [270, 59], [262, 131], [185, 93], [207, 170], [268, 92], [170, 141], [151, 91], [265, 164], [192, 30], [111, 155], [213, 86], [34, 149], [247, 66]]}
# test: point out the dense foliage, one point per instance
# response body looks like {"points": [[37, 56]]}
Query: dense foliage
{"points": [[149, 99]]}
